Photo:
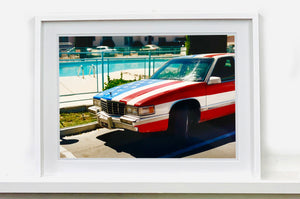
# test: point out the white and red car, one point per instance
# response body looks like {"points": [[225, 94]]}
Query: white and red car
{"points": [[184, 91]]}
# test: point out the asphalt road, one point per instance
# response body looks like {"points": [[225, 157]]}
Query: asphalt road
{"points": [[212, 139]]}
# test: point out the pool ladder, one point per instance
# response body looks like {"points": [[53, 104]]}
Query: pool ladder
{"points": [[92, 69], [80, 69]]}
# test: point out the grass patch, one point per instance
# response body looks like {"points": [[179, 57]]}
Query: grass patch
{"points": [[74, 119]]}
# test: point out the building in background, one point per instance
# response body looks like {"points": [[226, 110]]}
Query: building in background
{"points": [[139, 41], [121, 41], [202, 44]]}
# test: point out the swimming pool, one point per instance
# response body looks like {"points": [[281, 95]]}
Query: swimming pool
{"points": [[74, 68]]}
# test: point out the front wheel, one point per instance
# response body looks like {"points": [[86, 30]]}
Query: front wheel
{"points": [[181, 123]]}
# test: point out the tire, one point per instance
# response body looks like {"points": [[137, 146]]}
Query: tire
{"points": [[181, 123]]}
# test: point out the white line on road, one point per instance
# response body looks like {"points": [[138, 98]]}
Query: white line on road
{"points": [[66, 153], [201, 144]]}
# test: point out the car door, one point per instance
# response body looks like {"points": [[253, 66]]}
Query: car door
{"points": [[220, 98]]}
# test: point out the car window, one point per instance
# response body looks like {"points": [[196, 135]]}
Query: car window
{"points": [[184, 69], [224, 68]]}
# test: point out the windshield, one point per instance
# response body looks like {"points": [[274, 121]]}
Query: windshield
{"points": [[187, 69]]}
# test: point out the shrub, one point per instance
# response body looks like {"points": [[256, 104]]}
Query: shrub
{"points": [[116, 82]]}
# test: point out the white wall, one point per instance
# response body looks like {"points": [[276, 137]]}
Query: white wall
{"points": [[279, 63]]}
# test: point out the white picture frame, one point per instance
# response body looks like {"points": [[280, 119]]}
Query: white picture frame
{"points": [[169, 176]]}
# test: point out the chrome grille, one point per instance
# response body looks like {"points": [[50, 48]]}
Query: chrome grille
{"points": [[110, 107]]}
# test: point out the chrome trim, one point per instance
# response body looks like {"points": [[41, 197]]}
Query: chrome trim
{"points": [[152, 119], [113, 107], [129, 121], [113, 122], [94, 109], [130, 118], [217, 105]]}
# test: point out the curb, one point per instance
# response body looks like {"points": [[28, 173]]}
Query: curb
{"points": [[74, 109], [74, 130]]}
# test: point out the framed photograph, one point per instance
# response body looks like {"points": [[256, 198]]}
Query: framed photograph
{"points": [[152, 99], [165, 96]]}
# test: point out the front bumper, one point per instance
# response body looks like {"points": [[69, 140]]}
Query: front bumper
{"points": [[113, 122], [129, 122]]}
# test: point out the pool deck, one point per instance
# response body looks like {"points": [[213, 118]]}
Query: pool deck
{"points": [[69, 87]]}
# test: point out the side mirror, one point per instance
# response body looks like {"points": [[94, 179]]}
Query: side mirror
{"points": [[214, 80]]}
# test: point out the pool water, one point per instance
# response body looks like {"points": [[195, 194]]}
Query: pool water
{"points": [[74, 68]]}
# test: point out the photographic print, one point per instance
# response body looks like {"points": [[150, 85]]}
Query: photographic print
{"points": [[147, 96]]}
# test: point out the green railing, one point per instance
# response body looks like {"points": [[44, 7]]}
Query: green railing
{"points": [[103, 61]]}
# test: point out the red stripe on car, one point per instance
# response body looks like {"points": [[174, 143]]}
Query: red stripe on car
{"points": [[217, 112], [217, 54], [139, 93], [161, 125], [184, 92], [220, 88]]}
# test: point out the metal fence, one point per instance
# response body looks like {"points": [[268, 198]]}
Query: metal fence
{"points": [[85, 73]]}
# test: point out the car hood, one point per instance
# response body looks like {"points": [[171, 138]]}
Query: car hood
{"points": [[149, 91]]}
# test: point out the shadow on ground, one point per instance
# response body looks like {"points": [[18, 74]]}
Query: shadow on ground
{"points": [[68, 141], [155, 145]]}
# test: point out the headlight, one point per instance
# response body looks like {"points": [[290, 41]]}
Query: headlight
{"points": [[146, 110], [131, 110], [96, 102]]}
